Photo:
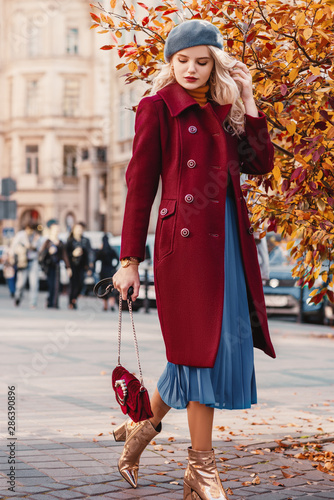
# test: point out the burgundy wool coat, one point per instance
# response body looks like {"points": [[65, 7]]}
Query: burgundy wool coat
{"points": [[188, 147]]}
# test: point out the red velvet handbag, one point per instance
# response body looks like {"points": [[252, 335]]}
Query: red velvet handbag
{"points": [[131, 394]]}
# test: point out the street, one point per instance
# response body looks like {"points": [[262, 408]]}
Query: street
{"points": [[60, 361]]}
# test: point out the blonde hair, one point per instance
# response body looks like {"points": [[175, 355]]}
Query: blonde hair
{"points": [[223, 89]]}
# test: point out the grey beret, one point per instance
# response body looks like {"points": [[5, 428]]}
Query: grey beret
{"points": [[191, 34]]}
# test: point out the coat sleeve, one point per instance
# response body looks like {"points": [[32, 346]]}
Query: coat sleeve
{"points": [[142, 179], [256, 152]]}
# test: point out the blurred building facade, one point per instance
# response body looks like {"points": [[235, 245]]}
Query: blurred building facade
{"points": [[55, 111]]}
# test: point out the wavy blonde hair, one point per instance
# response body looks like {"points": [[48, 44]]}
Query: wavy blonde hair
{"points": [[223, 89]]}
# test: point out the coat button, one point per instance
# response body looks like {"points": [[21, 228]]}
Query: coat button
{"points": [[191, 163], [189, 198], [163, 211], [192, 129], [250, 230], [185, 232]]}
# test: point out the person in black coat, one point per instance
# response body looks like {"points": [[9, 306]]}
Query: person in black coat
{"points": [[109, 262], [51, 253], [79, 253]]}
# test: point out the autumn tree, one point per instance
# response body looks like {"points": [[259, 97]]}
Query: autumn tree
{"points": [[289, 48]]}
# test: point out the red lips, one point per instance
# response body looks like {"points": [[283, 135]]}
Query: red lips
{"points": [[190, 79]]}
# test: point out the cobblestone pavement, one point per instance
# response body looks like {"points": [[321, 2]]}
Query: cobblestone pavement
{"points": [[82, 469], [60, 363]]}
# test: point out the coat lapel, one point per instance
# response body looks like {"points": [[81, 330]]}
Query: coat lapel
{"points": [[177, 100]]}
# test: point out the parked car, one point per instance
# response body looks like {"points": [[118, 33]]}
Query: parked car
{"points": [[282, 294]]}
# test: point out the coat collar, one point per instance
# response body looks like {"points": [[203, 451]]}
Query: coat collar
{"points": [[177, 100]]}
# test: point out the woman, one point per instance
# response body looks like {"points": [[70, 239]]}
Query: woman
{"points": [[52, 252], [197, 131], [79, 253], [109, 262]]}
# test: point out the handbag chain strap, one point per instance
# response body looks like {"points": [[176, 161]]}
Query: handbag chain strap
{"points": [[134, 336]]}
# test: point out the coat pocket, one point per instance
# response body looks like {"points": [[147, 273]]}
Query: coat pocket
{"points": [[166, 228]]}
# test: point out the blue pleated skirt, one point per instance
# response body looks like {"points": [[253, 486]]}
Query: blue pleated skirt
{"points": [[230, 384]]}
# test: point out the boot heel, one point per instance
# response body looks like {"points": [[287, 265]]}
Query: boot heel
{"points": [[189, 494], [120, 432], [186, 492]]}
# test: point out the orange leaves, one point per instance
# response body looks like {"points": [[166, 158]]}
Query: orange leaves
{"points": [[95, 17], [288, 47]]}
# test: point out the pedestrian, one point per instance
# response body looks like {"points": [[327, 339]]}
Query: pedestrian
{"points": [[24, 251], [51, 254], [198, 130], [9, 271], [79, 252], [109, 262]]}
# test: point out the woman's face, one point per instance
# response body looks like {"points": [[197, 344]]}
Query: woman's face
{"points": [[192, 66]]}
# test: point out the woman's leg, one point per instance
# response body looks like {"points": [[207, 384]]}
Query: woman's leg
{"points": [[159, 408], [201, 476], [200, 421]]}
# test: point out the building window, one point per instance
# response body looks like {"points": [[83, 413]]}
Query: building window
{"points": [[85, 154], [32, 98], [71, 97], [70, 161], [101, 154], [32, 160], [72, 41]]}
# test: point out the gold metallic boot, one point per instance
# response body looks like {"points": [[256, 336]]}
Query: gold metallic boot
{"points": [[201, 479], [120, 431], [138, 437]]}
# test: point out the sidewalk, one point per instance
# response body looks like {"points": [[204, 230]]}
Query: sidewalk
{"points": [[78, 469], [60, 364]]}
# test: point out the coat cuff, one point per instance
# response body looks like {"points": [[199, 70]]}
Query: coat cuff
{"points": [[255, 122]]}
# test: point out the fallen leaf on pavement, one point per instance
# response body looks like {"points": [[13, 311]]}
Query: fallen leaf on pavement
{"points": [[256, 480], [171, 439], [276, 483], [221, 427], [287, 476]]}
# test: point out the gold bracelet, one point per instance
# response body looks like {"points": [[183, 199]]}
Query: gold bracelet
{"points": [[129, 260]]}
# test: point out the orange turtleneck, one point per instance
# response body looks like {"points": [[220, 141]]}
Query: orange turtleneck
{"points": [[200, 94]]}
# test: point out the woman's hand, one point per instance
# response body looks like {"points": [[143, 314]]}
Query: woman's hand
{"points": [[126, 277], [241, 75]]}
